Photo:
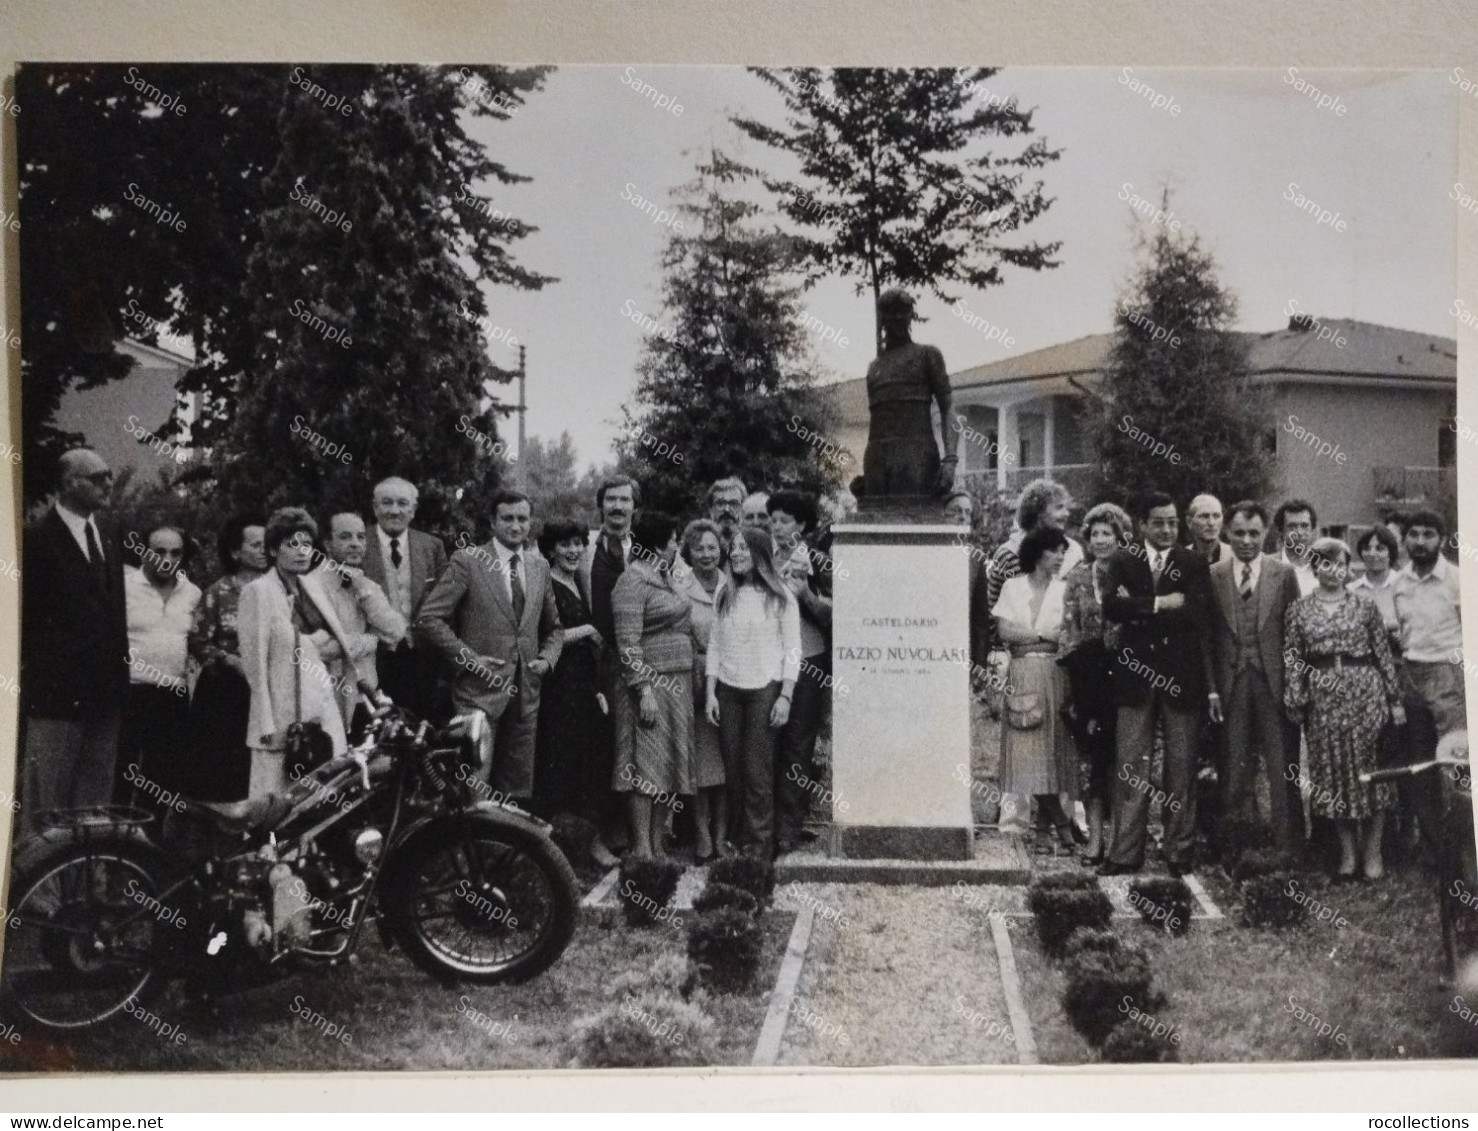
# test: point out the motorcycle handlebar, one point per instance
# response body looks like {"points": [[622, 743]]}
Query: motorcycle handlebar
{"points": [[1411, 770]]}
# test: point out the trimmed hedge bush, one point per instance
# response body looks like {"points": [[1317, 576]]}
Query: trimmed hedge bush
{"points": [[715, 896], [669, 975], [1162, 901], [1132, 1043], [1266, 902], [646, 888], [1097, 982], [1089, 938], [754, 875], [1059, 911], [644, 1031], [725, 947]]}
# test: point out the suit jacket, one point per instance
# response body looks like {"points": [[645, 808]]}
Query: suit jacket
{"points": [[1170, 645], [1277, 588], [264, 627], [469, 614], [601, 570], [368, 621], [428, 559], [74, 629]]}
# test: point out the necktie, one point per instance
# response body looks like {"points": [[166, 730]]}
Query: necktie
{"points": [[395, 558], [613, 547], [95, 554], [1247, 582], [1158, 566], [515, 582]]}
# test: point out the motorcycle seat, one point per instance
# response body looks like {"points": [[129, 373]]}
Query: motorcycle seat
{"points": [[239, 816]]}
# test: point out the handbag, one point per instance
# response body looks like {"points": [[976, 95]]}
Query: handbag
{"points": [[306, 745], [1025, 710]]}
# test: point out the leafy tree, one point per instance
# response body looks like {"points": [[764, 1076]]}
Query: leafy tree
{"points": [[886, 190], [547, 473], [238, 167], [726, 383], [1178, 376]]}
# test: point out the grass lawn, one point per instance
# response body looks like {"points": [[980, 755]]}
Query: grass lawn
{"points": [[1227, 987], [396, 1018]]}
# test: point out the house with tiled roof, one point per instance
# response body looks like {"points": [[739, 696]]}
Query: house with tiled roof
{"points": [[1385, 398]]}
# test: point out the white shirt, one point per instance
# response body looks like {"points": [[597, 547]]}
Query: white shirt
{"points": [[1014, 604], [158, 625], [79, 527], [1307, 582], [397, 581], [749, 647], [504, 555], [1156, 559], [1239, 567]]}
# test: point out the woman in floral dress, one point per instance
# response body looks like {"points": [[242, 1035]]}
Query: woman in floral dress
{"points": [[1342, 688]]}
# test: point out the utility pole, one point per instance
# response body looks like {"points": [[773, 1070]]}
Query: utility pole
{"points": [[523, 411]]}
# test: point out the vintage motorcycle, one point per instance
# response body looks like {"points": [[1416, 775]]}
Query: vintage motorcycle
{"points": [[402, 830]]}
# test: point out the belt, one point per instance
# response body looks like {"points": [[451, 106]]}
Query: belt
{"points": [[1042, 648], [1340, 660]]}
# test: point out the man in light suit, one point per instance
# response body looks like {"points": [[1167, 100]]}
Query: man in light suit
{"points": [[405, 563], [74, 645], [368, 618], [1156, 591], [1250, 592], [493, 616]]}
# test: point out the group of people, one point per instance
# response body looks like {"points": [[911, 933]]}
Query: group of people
{"points": [[657, 664], [1303, 667]]}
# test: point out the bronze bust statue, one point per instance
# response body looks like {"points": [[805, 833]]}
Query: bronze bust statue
{"points": [[901, 464]]}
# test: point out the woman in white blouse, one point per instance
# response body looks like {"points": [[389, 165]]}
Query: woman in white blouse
{"points": [[754, 657], [1037, 755]]}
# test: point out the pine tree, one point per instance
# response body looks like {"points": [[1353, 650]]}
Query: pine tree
{"points": [[726, 382], [887, 190], [1178, 376]]}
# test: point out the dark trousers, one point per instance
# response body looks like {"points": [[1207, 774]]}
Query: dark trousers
{"points": [[1135, 740], [409, 676], [154, 752], [748, 744], [512, 772], [1257, 728], [795, 752], [1432, 694]]}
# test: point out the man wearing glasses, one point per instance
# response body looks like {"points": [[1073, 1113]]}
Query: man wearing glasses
{"points": [[74, 646]]}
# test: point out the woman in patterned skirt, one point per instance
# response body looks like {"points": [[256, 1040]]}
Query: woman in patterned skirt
{"points": [[1342, 688], [654, 642]]}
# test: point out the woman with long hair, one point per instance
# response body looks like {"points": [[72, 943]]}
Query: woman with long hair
{"points": [[220, 769], [754, 658], [1037, 757]]}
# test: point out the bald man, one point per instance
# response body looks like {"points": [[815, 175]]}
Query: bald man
{"points": [[405, 563], [1203, 517], [74, 646]]}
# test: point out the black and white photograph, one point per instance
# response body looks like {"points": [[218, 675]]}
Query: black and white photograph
{"points": [[596, 566]]}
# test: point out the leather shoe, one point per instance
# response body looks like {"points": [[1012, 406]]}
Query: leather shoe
{"points": [[1109, 868]]}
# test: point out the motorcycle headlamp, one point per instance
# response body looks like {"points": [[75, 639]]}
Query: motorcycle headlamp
{"points": [[475, 736]]}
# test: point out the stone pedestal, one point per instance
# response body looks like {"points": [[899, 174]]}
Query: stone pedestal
{"points": [[901, 715]]}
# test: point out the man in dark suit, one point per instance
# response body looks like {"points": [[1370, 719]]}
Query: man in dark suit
{"points": [[1250, 592], [74, 644], [1158, 592], [404, 563], [493, 616]]}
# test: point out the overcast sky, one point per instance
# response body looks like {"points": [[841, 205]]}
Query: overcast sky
{"points": [[1386, 166]]}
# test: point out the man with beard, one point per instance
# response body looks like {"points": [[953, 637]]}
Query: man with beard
{"points": [[1431, 627], [726, 504]]}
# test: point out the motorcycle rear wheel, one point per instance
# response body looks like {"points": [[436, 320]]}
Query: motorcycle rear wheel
{"points": [[481, 900], [81, 947]]}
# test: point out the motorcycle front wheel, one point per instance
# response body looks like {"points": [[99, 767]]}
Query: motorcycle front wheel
{"points": [[480, 899], [81, 943]]}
